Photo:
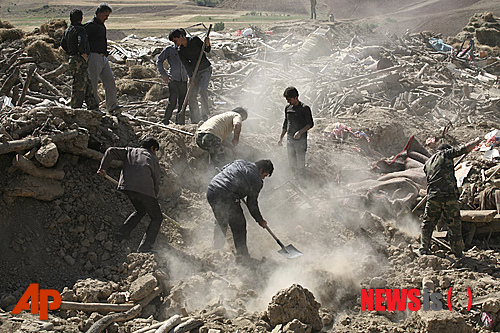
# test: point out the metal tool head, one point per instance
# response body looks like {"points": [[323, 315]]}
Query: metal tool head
{"points": [[290, 252]]}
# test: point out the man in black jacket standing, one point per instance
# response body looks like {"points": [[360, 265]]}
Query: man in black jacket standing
{"points": [[98, 59], [76, 45], [139, 180], [237, 180], [298, 120], [189, 49]]}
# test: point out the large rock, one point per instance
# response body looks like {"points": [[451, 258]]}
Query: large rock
{"points": [[438, 321], [47, 155], [142, 287], [292, 303], [92, 291]]}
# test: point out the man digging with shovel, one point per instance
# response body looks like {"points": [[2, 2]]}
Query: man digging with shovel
{"points": [[237, 180], [139, 180]]}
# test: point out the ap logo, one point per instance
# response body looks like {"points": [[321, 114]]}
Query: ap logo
{"points": [[39, 301]]}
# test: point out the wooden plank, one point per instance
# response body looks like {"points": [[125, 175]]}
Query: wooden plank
{"points": [[480, 216], [439, 234], [486, 229]]}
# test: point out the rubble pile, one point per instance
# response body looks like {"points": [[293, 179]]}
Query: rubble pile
{"points": [[485, 27], [369, 94]]}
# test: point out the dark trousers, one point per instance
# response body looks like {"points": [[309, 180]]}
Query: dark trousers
{"points": [[177, 92], [143, 205], [296, 150], [228, 212]]}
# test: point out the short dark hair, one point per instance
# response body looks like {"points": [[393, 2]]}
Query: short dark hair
{"points": [[242, 111], [103, 7], [75, 16], [291, 92], [444, 146], [149, 142], [176, 33], [266, 166]]}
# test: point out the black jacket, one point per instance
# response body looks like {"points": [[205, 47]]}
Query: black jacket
{"points": [[189, 55], [237, 180], [74, 40], [296, 118], [140, 171], [96, 32]]}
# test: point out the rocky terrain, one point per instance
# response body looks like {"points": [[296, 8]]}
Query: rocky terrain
{"points": [[369, 93]]}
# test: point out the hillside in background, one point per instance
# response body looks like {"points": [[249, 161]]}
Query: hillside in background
{"points": [[442, 16]]}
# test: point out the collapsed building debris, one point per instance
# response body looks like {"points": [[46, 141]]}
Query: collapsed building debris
{"points": [[369, 94]]}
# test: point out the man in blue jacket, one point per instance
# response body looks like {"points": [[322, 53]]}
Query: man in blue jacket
{"points": [[139, 180], [176, 77], [237, 180]]}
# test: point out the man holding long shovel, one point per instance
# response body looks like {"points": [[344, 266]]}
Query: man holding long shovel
{"points": [[192, 54], [238, 180], [139, 180]]}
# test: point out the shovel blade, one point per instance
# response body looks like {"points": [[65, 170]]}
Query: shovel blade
{"points": [[290, 252]]}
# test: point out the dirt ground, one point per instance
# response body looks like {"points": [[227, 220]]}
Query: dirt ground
{"points": [[67, 243]]}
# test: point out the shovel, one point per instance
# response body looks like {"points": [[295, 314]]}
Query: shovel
{"points": [[289, 251]]}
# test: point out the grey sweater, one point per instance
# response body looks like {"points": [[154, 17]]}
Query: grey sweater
{"points": [[140, 172]]}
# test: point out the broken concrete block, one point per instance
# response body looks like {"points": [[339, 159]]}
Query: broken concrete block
{"points": [[142, 287]]}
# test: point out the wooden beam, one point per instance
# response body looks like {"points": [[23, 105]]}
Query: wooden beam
{"points": [[478, 216]]}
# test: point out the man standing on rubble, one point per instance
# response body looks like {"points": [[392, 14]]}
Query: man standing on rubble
{"points": [[176, 77], [442, 196], [212, 134], [313, 9], [189, 49], [298, 120], [98, 59], [139, 180], [76, 45], [237, 180]]}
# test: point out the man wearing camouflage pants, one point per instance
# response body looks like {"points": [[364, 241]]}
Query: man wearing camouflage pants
{"points": [[76, 45], [442, 196]]}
